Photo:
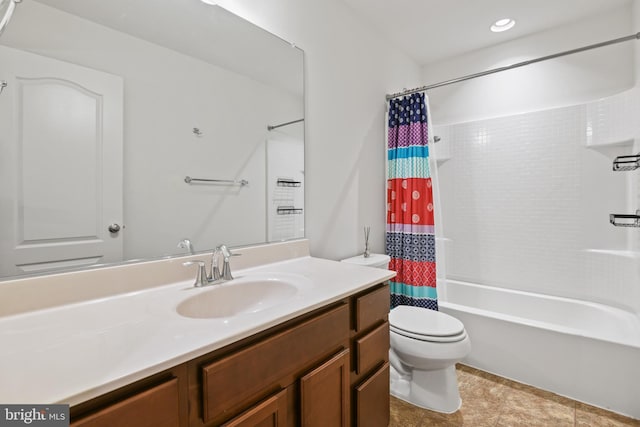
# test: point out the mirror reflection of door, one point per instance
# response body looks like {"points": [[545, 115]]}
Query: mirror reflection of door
{"points": [[60, 164]]}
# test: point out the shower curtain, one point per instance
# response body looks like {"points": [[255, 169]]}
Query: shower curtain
{"points": [[410, 211]]}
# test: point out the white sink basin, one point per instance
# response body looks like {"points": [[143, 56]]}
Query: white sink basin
{"points": [[243, 295]]}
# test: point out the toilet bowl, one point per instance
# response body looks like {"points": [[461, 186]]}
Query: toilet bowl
{"points": [[425, 346]]}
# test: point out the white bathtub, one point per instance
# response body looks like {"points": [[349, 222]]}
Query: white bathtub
{"points": [[586, 351]]}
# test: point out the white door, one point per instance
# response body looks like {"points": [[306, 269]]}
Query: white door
{"points": [[60, 164]]}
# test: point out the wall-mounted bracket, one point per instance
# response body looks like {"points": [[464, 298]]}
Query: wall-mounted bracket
{"points": [[624, 220], [626, 163]]}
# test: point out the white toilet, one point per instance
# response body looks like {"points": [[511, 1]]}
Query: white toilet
{"points": [[425, 346]]}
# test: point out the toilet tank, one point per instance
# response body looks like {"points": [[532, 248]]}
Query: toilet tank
{"points": [[373, 260]]}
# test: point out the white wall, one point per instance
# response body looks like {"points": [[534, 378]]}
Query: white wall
{"points": [[349, 68], [635, 17], [526, 201], [635, 24], [559, 82], [525, 164]]}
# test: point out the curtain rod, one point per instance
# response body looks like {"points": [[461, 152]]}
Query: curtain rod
{"points": [[270, 128], [516, 65]]}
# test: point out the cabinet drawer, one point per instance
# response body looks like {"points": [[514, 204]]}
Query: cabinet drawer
{"points": [[373, 307], [271, 412], [372, 349], [230, 383], [155, 407], [372, 400]]}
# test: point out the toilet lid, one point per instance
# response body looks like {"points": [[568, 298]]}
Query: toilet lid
{"points": [[417, 322]]}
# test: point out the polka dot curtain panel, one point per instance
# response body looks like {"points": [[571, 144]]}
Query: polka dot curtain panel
{"points": [[410, 209]]}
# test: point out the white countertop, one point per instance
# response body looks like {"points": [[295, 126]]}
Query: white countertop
{"points": [[71, 353]]}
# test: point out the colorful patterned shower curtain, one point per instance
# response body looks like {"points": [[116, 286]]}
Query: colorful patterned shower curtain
{"points": [[410, 219]]}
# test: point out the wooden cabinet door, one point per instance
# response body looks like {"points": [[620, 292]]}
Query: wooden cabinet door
{"points": [[325, 393], [271, 412], [372, 400], [155, 407], [236, 381]]}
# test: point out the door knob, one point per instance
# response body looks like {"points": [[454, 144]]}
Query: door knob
{"points": [[114, 228]]}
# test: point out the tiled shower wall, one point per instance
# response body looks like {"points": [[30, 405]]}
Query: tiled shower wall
{"points": [[525, 201]]}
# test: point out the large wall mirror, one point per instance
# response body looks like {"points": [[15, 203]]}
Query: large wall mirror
{"points": [[127, 126]]}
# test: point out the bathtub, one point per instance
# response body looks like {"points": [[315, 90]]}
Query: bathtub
{"points": [[586, 351]]}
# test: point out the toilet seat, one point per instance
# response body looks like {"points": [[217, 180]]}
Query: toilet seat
{"points": [[428, 338], [426, 325]]}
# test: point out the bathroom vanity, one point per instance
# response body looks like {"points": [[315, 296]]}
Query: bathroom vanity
{"points": [[318, 357], [325, 368]]}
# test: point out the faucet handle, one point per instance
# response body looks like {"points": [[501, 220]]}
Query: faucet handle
{"points": [[201, 275], [186, 244], [215, 271], [226, 253], [226, 268]]}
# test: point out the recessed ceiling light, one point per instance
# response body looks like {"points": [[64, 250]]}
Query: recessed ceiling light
{"points": [[211, 2], [500, 25]]}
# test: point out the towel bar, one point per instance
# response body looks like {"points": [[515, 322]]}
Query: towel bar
{"points": [[286, 182], [288, 210], [242, 182]]}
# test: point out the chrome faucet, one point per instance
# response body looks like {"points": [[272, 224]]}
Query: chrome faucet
{"points": [[186, 244], [201, 275], [214, 276]]}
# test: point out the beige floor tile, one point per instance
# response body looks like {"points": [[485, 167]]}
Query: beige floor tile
{"points": [[589, 416], [528, 406], [404, 414], [492, 401], [482, 397]]}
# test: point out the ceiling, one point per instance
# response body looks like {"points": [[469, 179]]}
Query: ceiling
{"points": [[431, 30], [209, 33]]}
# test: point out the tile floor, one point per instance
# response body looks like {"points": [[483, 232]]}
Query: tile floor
{"points": [[489, 400]]}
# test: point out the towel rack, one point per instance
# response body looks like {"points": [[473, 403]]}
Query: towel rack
{"points": [[288, 210], [626, 163], [624, 220], [286, 182], [242, 182]]}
